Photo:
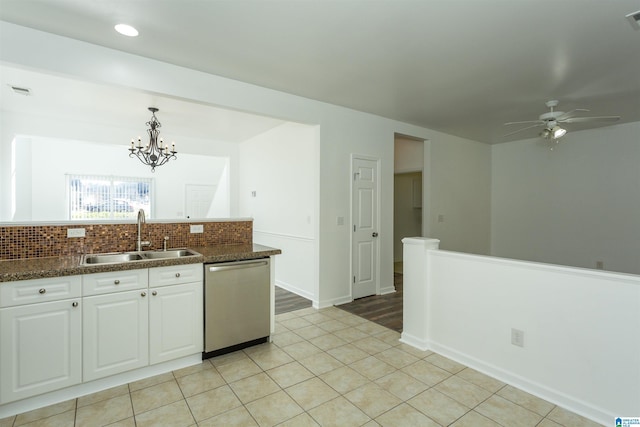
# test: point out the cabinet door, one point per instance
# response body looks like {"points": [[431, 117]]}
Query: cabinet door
{"points": [[40, 348], [115, 333], [175, 316]]}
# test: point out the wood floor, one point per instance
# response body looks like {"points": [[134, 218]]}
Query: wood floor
{"points": [[288, 301], [385, 310]]}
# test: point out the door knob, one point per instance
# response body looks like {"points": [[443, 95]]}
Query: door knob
{"points": [[374, 234]]}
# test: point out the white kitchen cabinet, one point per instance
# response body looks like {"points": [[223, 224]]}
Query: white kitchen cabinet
{"points": [[175, 321], [40, 347], [175, 274], [115, 335], [61, 332], [114, 281]]}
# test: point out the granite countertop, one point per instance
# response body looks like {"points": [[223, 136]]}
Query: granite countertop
{"points": [[40, 268]]}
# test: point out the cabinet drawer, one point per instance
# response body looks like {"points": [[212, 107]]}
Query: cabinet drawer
{"points": [[39, 290], [175, 274], [114, 281]]}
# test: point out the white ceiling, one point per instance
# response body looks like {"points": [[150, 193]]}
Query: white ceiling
{"points": [[64, 99], [463, 67]]}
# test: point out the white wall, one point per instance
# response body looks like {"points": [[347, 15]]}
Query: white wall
{"points": [[281, 166], [87, 139], [459, 194], [575, 205], [408, 155], [343, 132], [581, 349], [45, 199]]}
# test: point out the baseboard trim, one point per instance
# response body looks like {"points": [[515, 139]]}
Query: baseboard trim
{"points": [[332, 302], [556, 397], [78, 390], [414, 341], [387, 290], [294, 289]]}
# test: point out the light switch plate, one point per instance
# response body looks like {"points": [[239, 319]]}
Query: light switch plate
{"points": [[75, 232], [197, 228]]}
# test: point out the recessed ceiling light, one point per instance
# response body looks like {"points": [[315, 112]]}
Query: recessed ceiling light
{"points": [[126, 30]]}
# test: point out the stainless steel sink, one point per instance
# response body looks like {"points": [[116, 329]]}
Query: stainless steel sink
{"points": [[126, 257], [111, 258], [172, 253]]}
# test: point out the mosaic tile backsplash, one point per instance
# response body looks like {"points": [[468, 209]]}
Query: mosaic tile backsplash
{"points": [[19, 242]]}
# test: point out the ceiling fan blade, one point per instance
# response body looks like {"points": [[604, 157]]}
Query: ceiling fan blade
{"points": [[520, 130], [591, 119], [523, 123], [570, 114]]}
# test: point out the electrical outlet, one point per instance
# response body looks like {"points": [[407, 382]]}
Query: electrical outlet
{"points": [[75, 232], [440, 218], [198, 228], [517, 337]]}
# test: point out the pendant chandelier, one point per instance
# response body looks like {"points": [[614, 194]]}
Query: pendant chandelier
{"points": [[155, 153]]}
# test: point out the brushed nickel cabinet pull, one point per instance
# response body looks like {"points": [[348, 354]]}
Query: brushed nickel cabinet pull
{"points": [[116, 282], [154, 293], [177, 274], [75, 304], [42, 291], [144, 294]]}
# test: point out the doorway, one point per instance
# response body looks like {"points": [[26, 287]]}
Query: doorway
{"points": [[408, 193], [407, 212]]}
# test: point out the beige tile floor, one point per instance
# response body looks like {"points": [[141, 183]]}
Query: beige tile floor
{"points": [[327, 368]]}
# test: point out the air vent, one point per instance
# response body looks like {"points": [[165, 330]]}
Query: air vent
{"points": [[634, 19], [21, 90]]}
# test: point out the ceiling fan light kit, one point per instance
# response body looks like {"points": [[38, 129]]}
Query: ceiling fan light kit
{"points": [[551, 121], [558, 132]]}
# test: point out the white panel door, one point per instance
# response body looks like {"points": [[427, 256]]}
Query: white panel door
{"points": [[175, 321], [115, 333], [198, 199], [365, 227], [40, 348]]}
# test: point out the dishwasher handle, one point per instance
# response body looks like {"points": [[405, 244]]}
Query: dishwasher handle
{"points": [[236, 266]]}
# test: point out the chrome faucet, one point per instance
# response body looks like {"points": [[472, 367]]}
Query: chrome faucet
{"points": [[141, 220]]}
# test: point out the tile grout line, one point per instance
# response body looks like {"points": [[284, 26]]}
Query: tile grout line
{"points": [[367, 350]]}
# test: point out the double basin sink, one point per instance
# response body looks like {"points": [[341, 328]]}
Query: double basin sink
{"points": [[126, 257]]}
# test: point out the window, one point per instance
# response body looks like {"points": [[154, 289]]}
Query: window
{"points": [[108, 197]]}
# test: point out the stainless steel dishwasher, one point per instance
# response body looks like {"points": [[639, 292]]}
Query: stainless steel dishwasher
{"points": [[237, 305]]}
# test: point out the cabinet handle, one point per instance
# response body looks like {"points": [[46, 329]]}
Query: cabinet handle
{"points": [[177, 274], [143, 294], [42, 291], [116, 282], [75, 304], [154, 293]]}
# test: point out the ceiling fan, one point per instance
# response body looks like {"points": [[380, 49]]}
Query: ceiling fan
{"points": [[552, 119]]}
